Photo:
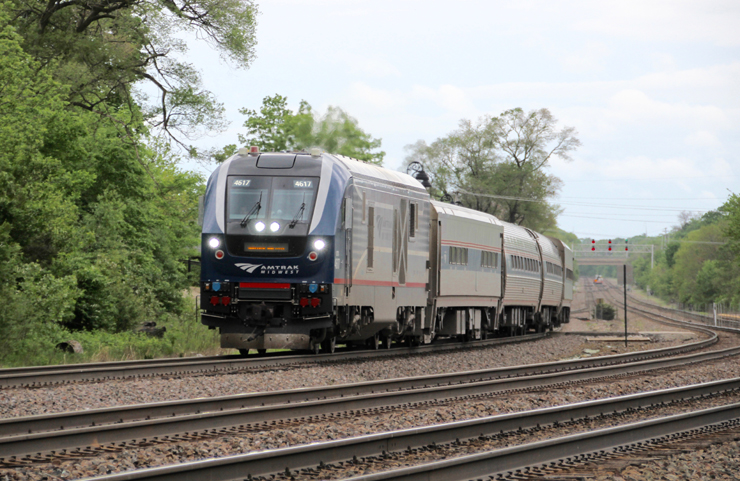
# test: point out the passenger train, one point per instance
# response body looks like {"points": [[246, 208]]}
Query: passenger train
{"points": [[307, 250]]}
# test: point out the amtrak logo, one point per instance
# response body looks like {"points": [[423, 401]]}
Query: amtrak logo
{"points": [[268, 269], [248, 267]]}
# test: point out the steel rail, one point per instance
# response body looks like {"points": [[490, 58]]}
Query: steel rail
{"points": [[662, 311], [289, 405], [35, 376], [574, 448], [309, 456], [120, 414]]}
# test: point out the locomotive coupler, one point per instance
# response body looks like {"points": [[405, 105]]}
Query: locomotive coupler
{"points": [[259, 333]]}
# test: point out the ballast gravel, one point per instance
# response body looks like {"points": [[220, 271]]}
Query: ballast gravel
{"points": [[21, 402], [262, 438], [75, 397], [16, 402]]}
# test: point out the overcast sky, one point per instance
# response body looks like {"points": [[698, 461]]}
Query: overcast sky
{"points": [[652, 87]]}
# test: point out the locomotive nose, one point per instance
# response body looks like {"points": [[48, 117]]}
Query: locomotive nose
{"points": [[259, 314]]}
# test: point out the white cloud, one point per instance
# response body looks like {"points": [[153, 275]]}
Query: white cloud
{"points": [[702, 138], [367, 66], [589, 59], [714, 21], [371, 98], [449, 97], [634, 106]]}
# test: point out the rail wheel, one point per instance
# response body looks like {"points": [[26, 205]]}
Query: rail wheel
{"points": [[329, 345], [244, 352], [261, 352], [387, 341]]}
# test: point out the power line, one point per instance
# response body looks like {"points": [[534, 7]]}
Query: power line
{"points": [[623, 179], [590, 204], [620, 220]]}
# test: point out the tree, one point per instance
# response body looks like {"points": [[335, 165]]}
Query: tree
{"points": [[277, 128], [498, 165], [94, 222], [100, 49], [528, 141]]}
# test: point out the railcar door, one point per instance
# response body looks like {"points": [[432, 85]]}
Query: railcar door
{"points": [[347, 221]]}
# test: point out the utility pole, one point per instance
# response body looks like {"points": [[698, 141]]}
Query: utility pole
{"points": [[652, 256], [625, 305]]}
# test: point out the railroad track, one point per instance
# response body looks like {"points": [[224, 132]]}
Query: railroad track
{"points": [[39, 438], [32, 438], [69, 373], [676, 316], [374, 451]]}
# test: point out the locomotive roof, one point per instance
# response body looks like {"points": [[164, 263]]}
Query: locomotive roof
{"points": [[459, 211], [372, 171]]}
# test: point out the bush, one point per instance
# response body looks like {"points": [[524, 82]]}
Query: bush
{"points": [[605, 311]]}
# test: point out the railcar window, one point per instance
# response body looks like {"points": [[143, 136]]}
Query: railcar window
{"points": [[395, 240], [488, 259], [459, 255], [288, 195], [364, 206], [244, 193], [280, 198], [412, 220], [370, 236]]}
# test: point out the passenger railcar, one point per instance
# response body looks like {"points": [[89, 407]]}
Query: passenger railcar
{"points": [[300, 251]]}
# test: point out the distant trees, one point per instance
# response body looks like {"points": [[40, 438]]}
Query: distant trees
{"points": [[275, 128], [701, 264], [95, 216], [100, 49], [498, 165]]}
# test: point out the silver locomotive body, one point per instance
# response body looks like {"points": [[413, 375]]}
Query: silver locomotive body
{"points": [[302, 251]]}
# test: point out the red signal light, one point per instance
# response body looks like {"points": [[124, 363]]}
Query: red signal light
{"points": [[610, 241], [610, 248], [593, 248]]}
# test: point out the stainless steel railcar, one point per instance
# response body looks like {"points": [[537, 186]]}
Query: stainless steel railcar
{"points": [[302, 251]]}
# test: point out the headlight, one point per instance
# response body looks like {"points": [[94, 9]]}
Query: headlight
{"points": [[214, 242], [274, 227], [319, 244], [260, 226]]}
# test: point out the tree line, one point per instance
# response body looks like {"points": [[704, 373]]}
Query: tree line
{"points": [[700, 264], [96, 217]]}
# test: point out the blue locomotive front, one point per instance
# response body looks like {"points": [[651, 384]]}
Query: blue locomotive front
{"points": [[267, 250]]}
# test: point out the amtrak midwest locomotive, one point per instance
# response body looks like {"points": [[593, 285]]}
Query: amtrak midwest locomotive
{"points": [[301, 251]]}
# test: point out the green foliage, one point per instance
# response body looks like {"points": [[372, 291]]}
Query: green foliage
{"points": [[184, 336], [99, 49], [499, 165], [701, 263], [94, 222], [604, 311], [277, 128]]}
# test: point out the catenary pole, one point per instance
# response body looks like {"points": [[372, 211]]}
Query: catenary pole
{"points": [[625, 305]]}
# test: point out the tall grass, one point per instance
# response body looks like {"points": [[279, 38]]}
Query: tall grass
{"points": [[184, 336]]}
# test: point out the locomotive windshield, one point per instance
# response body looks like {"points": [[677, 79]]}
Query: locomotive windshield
{"points": [[287, 199]]}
